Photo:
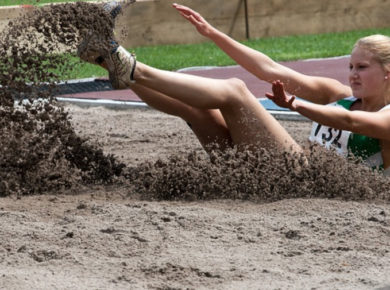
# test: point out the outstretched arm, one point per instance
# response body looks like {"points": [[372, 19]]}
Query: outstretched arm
{"points": [[372, 124], [315, 89]]}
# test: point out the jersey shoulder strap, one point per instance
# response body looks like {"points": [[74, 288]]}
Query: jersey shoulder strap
{"points": [[346, 102]]}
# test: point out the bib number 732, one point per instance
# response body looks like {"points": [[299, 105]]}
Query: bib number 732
{"points": [[328, 135]]}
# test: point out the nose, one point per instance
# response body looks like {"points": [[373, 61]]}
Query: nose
{"points": [[353, 74]]}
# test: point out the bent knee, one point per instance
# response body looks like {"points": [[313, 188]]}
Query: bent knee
{"points": [[238, 91], [237, 84]]}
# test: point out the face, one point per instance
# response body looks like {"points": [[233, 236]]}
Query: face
{"points": [[366, 76]]}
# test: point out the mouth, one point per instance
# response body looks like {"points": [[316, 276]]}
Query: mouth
{"points": [[355, 84]]}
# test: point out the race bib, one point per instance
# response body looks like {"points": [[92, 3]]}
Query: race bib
{"points": [[330, 138]]}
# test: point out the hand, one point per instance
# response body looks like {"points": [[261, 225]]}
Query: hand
{"points": [[280, 98], [203, 27]]}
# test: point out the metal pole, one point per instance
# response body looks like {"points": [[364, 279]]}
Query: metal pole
{"points": [[235, 17], [246, 19]]}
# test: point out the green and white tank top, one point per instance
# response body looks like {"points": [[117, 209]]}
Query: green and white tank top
{"points": [[346, 142]]}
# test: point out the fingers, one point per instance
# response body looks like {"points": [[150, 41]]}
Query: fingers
{"points": [[197, 22], [184, 15], [279, 96], [292, 99], [182, 7], [184, 10], [292, 104], [278, 88], [192, 20]]}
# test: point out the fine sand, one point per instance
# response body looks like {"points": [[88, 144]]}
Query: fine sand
{"points": [[109, 238]]}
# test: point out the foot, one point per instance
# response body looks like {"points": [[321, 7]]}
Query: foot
{"points": [[90, 48], [113, 7], [117, 60], [121, 66]]}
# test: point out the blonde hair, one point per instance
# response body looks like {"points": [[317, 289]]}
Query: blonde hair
{"points": [[379, 45]]}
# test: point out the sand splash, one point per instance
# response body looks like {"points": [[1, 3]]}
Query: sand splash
{"points": [[264, 175], [39, 149]]}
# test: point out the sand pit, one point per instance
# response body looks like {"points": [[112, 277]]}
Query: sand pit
{"points": [[105, 237], [94, 198]]}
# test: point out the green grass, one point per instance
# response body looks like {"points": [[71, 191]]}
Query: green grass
{"points": [[173, 57]]}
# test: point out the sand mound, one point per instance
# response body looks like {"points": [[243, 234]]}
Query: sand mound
{"points": [[263, 175]]}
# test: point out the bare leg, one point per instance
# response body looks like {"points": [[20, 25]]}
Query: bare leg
{"points": [[208, 125], [246, 119]]}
